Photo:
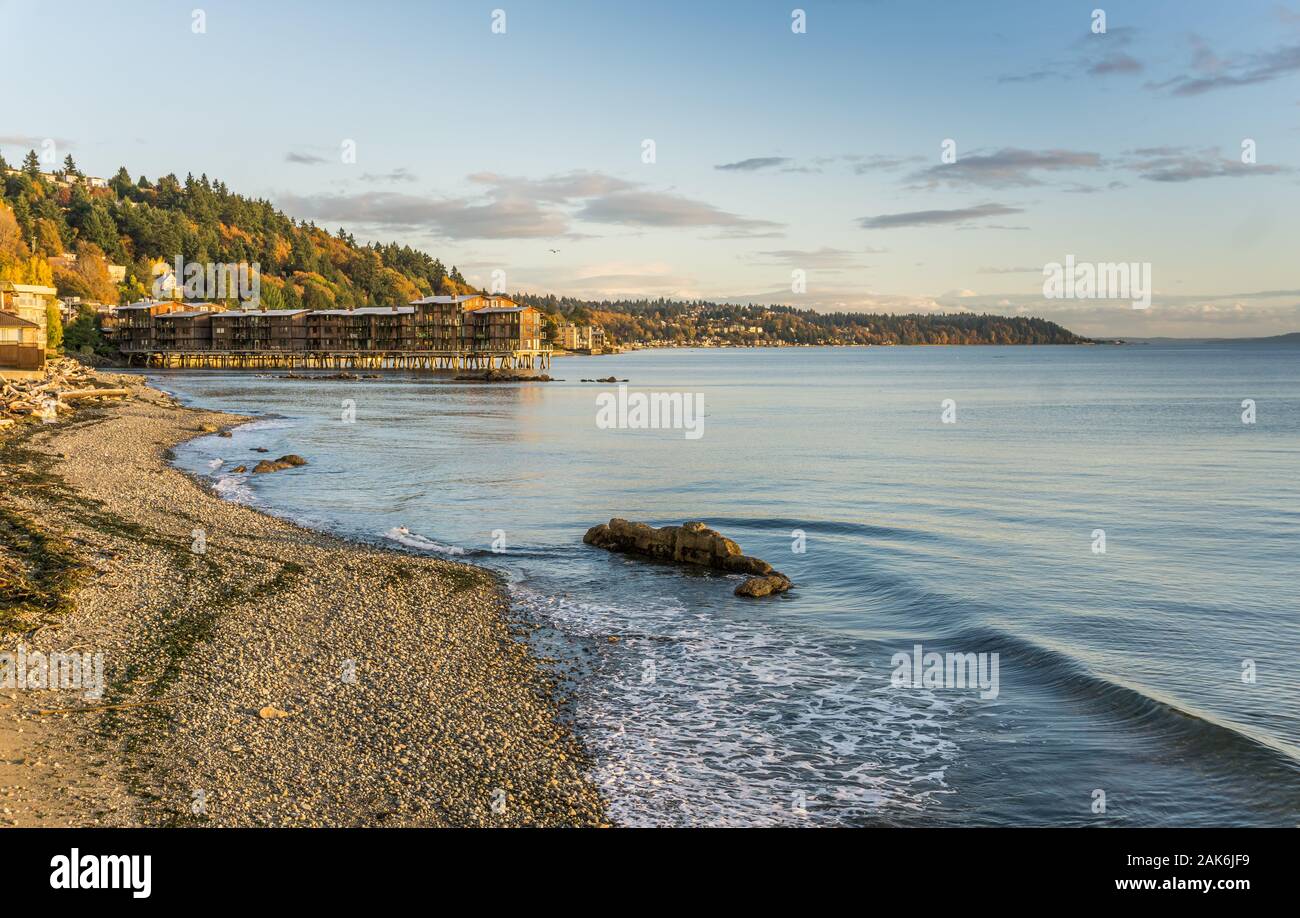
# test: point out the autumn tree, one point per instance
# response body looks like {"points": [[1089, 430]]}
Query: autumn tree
{"points": [[53, 327]]}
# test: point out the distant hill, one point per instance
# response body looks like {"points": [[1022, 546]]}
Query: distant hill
{"points": [[137, 222], [1291, 339]]}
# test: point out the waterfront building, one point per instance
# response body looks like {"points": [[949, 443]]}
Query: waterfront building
{"points": [[23, 324]]}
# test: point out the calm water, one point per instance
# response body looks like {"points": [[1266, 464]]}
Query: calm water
{"points": [[1118, 672]]}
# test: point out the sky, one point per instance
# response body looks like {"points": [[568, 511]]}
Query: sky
{"points": [[707, 149]]}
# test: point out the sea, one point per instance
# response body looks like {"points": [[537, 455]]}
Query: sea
{"points": [[1032, 585]]}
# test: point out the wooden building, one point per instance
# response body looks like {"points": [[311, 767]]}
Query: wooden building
{"points": [[23, 312], [136, 328], [439, 332], [504, 328], [183, 331], [260, 330]]}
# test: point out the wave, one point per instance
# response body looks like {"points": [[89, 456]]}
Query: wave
{"points": [[234, 488], [404, 536], [697, 720], [825, 527], [1155, 714]]}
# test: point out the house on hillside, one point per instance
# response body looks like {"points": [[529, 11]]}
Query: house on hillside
{"points": [[23, 324]]}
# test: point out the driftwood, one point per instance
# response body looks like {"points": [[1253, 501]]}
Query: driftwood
{"points": [[95, 393]]}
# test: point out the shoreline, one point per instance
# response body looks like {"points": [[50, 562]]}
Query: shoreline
{"points": [[279, 677]]}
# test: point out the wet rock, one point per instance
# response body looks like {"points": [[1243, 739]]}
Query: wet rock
{"points": [[764, 586], [691, 543], [495, 376], [275, 465]]}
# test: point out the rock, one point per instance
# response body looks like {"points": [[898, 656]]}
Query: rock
{"points": [[239, 468], [207, 428], [692, 543], [764, 586], [225, 433], [271, 712], [495, 376], [274, 465]]}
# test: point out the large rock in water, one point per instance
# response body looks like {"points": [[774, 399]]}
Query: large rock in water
{"points": [[690, 543], [275, 465]]}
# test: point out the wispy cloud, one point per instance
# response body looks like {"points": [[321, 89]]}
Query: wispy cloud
{"points": [[304, 159], [456, 218], [937, 217], [400, 174], [32, 142], [1101, 54], [754, 164], [826, 257], [1172, 164], [1116, 62], [1209, 72], [1006, 168], [512, 207], [665, 210]]}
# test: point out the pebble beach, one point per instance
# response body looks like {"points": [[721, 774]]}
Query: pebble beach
{"points": [[256, 673]]}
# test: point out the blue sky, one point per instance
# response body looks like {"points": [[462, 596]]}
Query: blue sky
{"points": [[490, 150]]}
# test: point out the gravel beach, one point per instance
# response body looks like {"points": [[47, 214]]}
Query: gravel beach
{"points": [[258, 674]]}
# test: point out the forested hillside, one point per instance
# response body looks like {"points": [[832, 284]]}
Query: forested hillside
{"points": [[135, 222]]}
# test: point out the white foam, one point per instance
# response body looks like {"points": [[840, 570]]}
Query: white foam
{"points": [[267, 424], [411, 540], [234, 488], [744, 723]]}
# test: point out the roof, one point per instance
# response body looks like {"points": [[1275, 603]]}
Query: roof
{"points": [[147, 304], [186, 315], [9, 320], [365, 311], [28, 288], [459, 298], [496, 310], [258, 313]]}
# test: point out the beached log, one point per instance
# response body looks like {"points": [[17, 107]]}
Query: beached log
{"points": [[95, 393]]}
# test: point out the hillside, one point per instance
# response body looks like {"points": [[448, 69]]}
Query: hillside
{"points": [[136, 222]]}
